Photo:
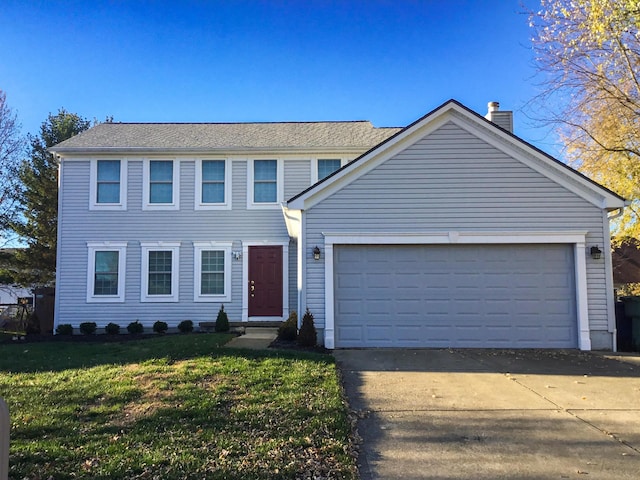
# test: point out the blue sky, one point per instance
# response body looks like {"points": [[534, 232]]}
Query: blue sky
{"points": [[233, 61]]}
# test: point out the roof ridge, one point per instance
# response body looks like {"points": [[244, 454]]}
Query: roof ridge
{"points": [[243, 123]]}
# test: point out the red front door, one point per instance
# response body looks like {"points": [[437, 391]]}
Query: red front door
{"points": [[265, 281]]}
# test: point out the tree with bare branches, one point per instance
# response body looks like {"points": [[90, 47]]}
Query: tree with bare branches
{"points": [[12, 146], [589, 54]]}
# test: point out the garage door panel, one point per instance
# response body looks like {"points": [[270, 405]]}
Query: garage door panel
{"points": [[462, 295]]}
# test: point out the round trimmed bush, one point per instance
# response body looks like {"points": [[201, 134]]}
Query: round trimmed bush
{"points": [[135, 327], [288, 331], [185, 326], [160, 327], [64, 329], [112, 329], [88, 328]]}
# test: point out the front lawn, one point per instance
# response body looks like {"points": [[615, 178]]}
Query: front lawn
{"points": [[172, 407]]}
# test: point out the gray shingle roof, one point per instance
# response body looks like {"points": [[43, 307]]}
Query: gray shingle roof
{"points": [[226, 136]]}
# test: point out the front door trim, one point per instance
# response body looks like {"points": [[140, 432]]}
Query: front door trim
{"points": [[245, 280]]}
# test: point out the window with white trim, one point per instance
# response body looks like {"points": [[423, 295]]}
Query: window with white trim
{"points": [[108, 188], [106, 271], [213, 184], [160, 271], [161, 185], [326, 166], [212, 271], [265, 183]]}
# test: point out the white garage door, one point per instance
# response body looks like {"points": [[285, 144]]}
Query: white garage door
{"points": [[516, 296]]}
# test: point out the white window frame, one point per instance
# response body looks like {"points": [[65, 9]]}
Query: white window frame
{"points": [[199, 204], [92, 248], [314, 166], [146, 178], [198, 248], [147, 247], [93, 186], [251, 204]]}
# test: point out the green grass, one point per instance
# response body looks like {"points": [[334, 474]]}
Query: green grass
{"points": [[173, 407]]}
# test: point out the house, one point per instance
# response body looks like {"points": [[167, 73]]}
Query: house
{"points": [[450, 232]]}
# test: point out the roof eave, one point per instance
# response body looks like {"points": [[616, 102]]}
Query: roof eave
{"points": [[219, 150]]}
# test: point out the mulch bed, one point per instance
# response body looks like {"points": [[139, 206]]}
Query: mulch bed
{"points": [[293, 345]]}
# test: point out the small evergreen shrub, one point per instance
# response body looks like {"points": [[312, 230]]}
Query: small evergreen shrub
{"points": [[307, 336], [135, 327], [288, 330], [160, 327], [185, 326], [222, 321], [112, 329], [88, 328], [64, 329]]}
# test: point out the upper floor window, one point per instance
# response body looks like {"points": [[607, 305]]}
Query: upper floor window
{"points": [[108, 185], [161, 185], [265, 183], [326, 166], [160, 271], [105, 282], [213, 184]]}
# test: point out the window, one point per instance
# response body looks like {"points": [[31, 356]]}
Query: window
{"points": [[108, 185], [212, 271], [160, 271], [105, 279], [212, 185], [161, 185], [327, 166], [265, 183]]}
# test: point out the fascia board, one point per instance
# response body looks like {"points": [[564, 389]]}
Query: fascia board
{"points": [[77, 151]]}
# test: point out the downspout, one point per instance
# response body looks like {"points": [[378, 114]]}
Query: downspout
{"points": [[608, 246]]}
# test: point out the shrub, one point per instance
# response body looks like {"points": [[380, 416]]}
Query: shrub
{"points": [[289, 328], [88, 328], [307, 336], [222, 321], [112, 329], [185, 326], [33, 324], [64, 329], [160, 327], [135, 327]]}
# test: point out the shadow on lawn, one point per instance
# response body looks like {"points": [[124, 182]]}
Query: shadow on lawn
{"points": [[29, 357]]}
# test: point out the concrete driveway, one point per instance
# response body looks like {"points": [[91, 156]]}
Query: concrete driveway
{"points": [[491, 414]]}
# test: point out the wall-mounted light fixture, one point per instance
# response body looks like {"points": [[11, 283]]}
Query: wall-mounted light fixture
{"points": [[596, 253], [237, 254], [316, 253]]}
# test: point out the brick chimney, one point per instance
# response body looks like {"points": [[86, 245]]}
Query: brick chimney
{"points": [[503, 119]]}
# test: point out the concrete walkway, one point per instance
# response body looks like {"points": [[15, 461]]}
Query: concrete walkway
{"points": [[494, 414], [254, 338]]}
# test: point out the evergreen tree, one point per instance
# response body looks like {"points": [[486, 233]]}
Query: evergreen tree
{"points": [[38, 200]]}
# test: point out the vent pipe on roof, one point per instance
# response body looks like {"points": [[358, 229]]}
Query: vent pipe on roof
{"points": [[503, 119]]}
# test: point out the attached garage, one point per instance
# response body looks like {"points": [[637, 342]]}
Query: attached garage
{"points": [[507, 296], [456, 233]]}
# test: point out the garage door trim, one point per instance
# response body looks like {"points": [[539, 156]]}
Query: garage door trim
{"points": [[575, 238]]}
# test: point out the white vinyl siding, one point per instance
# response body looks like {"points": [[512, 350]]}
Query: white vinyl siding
{"points": [[160, 271], [108, 189], [213, 184], [212, 269], [161, 185], [106, 266]]}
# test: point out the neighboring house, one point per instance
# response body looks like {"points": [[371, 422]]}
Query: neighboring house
{"points": [[451, 232]]}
